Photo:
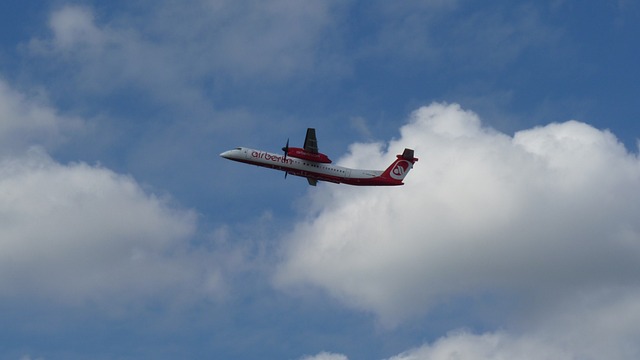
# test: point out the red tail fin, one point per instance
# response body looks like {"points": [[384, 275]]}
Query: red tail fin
{"points": [[400, 168]]}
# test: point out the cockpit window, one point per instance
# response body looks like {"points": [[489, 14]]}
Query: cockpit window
{"points": [[238, 148]]}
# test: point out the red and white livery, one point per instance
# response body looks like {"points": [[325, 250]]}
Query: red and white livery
{"points": [[309, 163]]}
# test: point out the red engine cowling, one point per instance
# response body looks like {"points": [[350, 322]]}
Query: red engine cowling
{"points": [[301, 154]]}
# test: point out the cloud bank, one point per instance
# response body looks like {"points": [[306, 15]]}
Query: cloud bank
{"points": [[546, 219], [219, 39], [74, 232], [27, 119], [484, 347], [78, 234], [325, 356]]}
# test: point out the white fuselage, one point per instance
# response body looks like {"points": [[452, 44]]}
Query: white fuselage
{"points": [[308, 169]]}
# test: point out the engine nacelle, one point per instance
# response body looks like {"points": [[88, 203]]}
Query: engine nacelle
{"points": [[304, 155]]}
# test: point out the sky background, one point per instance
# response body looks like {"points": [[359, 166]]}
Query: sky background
{"points": [[124, 235]]}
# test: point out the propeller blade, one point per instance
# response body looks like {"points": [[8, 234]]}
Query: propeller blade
{"points": [[286, 150]]}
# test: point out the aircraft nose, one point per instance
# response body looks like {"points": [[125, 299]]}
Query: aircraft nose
{"points": [[226, 154]]}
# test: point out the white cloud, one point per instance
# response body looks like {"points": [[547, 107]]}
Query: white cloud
{"points": [[73, 233], [179, 46], [73, 27], [274, 39], [547, 218], [486, 346], [28, 120], [77, 233], [207, 39], [105, 57], [600, 326], [548, 210], [325, 356]]}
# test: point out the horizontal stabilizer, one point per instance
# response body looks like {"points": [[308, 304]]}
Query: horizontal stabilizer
{"points": [[408, 155]]}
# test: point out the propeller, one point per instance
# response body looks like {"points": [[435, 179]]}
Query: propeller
{"points": [[286, 150]]}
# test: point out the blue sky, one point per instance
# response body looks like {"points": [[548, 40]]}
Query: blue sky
{"points": [[124, 235]]}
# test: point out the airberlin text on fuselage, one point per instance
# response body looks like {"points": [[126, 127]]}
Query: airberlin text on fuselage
{"points": [[271, 157]]}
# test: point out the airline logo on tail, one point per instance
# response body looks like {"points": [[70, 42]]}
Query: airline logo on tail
{"points": [[400, 170]]}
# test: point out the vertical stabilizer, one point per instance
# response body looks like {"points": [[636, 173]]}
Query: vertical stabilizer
{"points": [[397, 171]]}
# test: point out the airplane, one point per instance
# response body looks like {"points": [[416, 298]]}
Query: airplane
{"points": [[315, 166]]}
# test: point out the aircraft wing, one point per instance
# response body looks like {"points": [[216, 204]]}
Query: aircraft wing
{"points": [[310, 141]]}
